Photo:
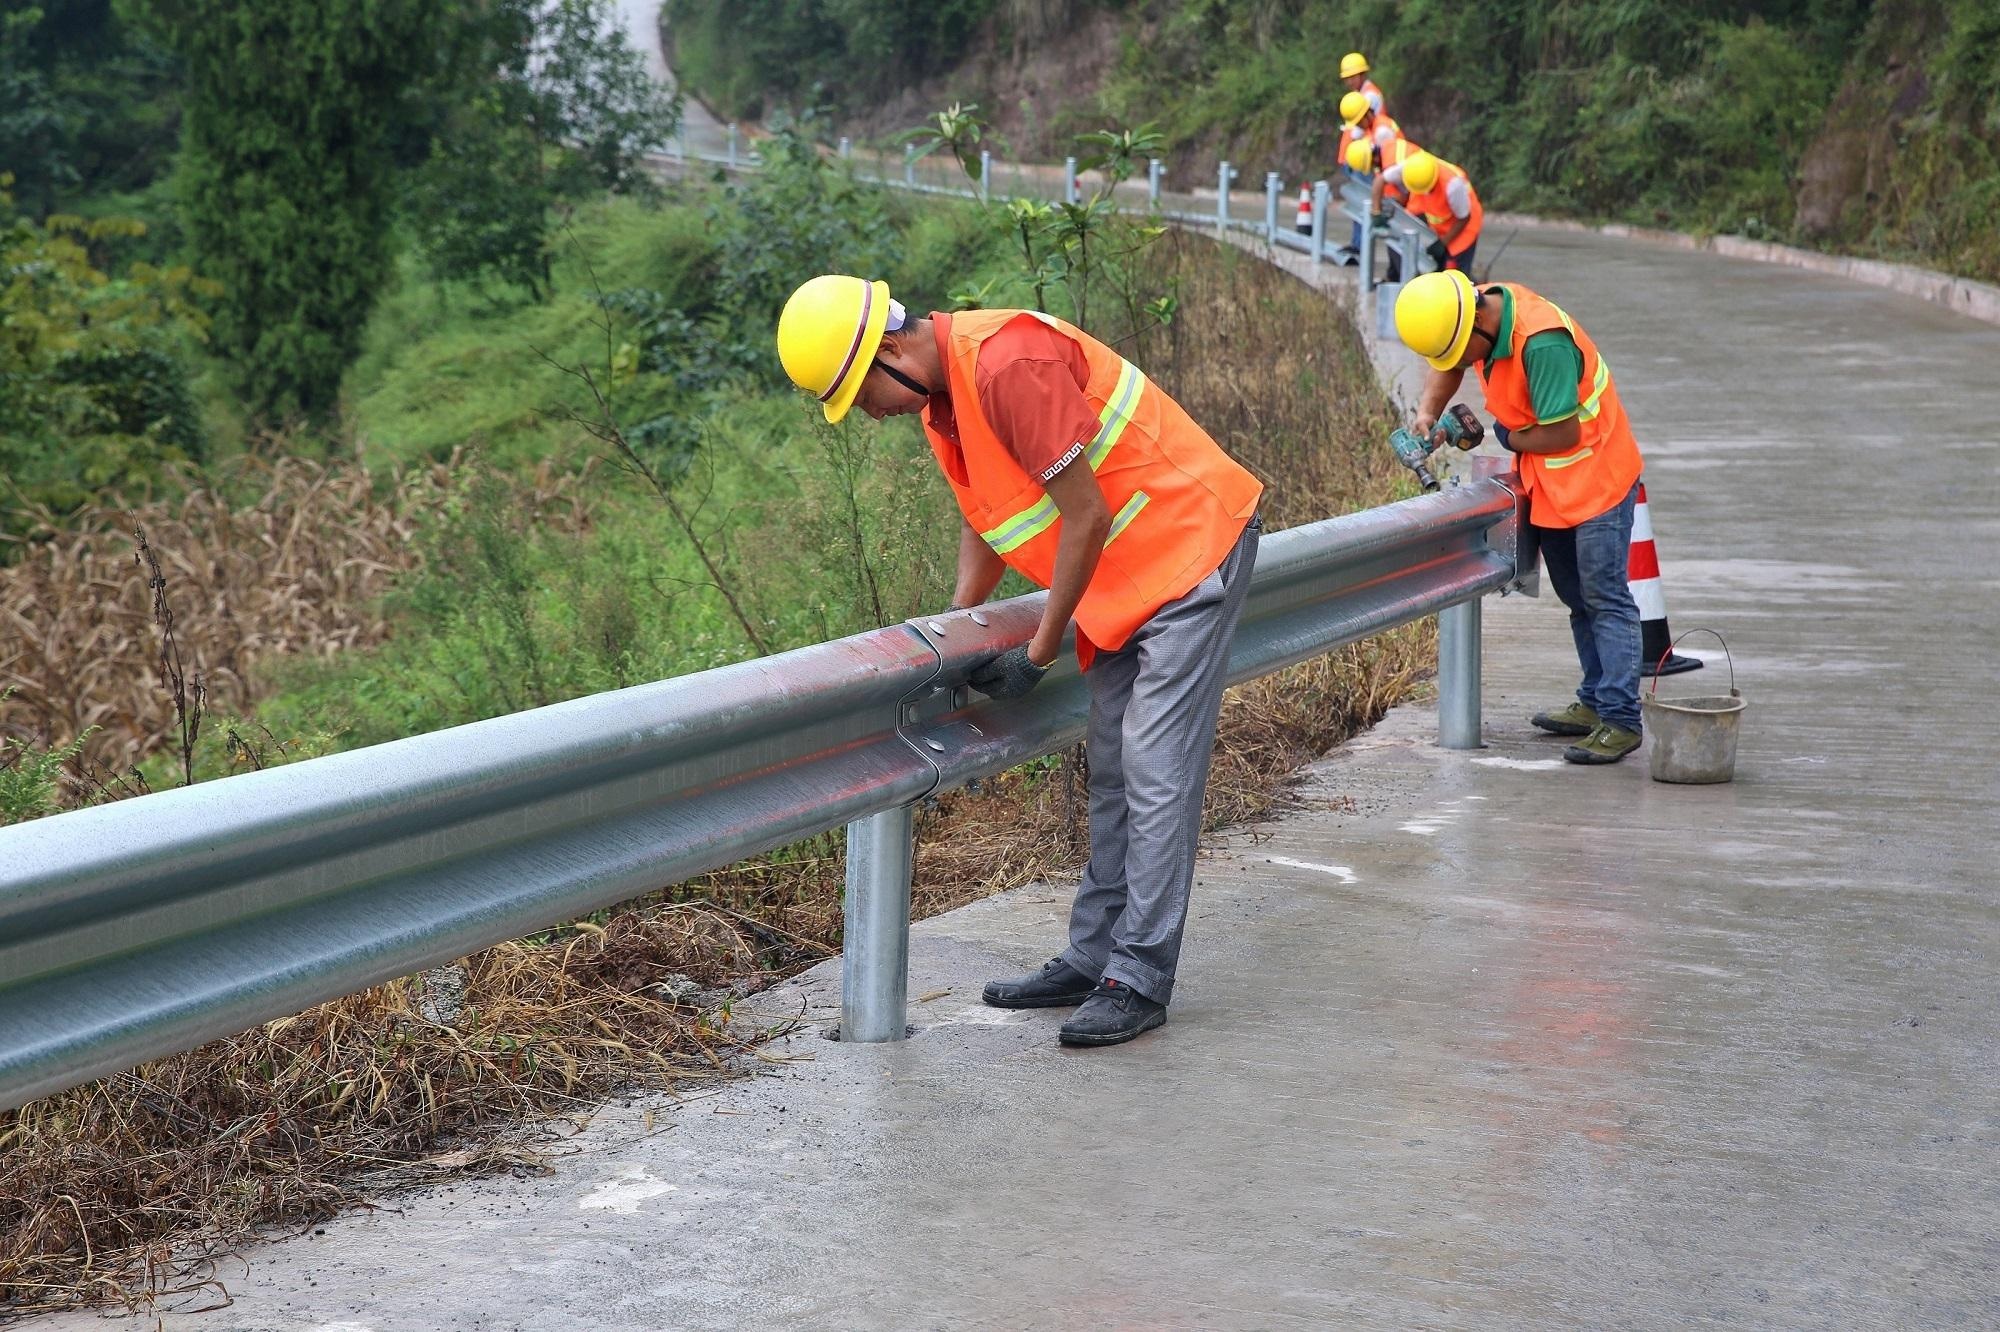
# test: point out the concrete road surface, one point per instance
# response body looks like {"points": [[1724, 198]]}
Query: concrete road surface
{"points": [[1475, 1040]]}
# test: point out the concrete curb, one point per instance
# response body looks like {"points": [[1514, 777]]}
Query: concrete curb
{"points": [[1974, 300]]}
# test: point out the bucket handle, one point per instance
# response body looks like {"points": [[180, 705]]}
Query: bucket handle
{"points": [[1698, 629]]}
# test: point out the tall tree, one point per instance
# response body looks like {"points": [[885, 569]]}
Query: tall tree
{"points": [[537, 101], [285, 177]]}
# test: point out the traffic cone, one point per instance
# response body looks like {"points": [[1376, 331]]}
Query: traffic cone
{"points": [[1305, 222], [1643, 575]]}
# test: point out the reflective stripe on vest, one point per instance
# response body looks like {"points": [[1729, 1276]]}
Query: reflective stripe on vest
{"points": [[1018, 528], [1140, 499]]}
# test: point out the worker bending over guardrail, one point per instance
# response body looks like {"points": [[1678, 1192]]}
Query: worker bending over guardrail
{"points": [[1073, 468], [1442, 197], [1554, 404]]}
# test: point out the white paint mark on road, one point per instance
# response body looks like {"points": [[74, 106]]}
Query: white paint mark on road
{"points": [[625, 1191], [981, 1015], [1424, 827], [1523, 765], [1346, 875]]}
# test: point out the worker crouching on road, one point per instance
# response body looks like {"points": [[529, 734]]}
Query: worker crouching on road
{"points": [[1556, 407], [1441, 195], [1073, 468]]}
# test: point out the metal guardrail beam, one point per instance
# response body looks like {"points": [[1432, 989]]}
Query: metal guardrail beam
{"points": [[134, 930]]}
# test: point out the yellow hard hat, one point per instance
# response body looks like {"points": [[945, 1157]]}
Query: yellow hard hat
{"points": [[1434, 316], [1420, 172], [1353, 63], [828, 334], [1361, 156], [1353, 106]]}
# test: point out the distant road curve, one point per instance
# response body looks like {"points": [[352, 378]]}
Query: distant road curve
{"points": [[640, 20]]}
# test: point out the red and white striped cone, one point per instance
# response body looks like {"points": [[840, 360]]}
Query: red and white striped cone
{"points": [[1643, 575], [1305, 222]]}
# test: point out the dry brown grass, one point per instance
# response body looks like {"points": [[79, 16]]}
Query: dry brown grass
{"points": [[131, 1187], [297, 570], [127, 1189]]}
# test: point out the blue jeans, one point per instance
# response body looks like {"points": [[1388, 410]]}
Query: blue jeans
{"points": [[1587, 565]]}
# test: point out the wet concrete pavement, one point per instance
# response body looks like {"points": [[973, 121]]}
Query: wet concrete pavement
{"points": [[1474, 1040]]}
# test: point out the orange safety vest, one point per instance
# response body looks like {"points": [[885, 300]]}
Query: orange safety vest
{"points": [[1369, 89], [1395, 154], [1178, 502], [1435, 209], [1352, 132], [1564, 489]]}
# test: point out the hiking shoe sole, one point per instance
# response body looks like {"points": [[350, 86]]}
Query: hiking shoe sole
{"points": [[1591, 757], [1554, 727]]}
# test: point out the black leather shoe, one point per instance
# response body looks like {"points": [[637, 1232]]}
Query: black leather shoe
{"points": [[1114, 1013], [1056, 985]]}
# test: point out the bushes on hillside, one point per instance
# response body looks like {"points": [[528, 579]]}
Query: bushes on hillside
{"points": [[95, 366]]}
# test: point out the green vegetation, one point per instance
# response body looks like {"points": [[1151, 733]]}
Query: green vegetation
{"points": [[857, 50], [713, 485], [297, 239], [87, 108], [97, 392], [1867, 125]]}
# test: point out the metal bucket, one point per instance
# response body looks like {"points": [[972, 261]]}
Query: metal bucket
{"points": [[1693, 740]]}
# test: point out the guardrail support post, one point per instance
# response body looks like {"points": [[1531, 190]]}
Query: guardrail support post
{"points": [[1154, 171], [1367, 261], [846, 147], [1322, 200], [732, 145], [1271, 187], [1458, 676], [1222, 176], [875, 950], [985, 175], [1069, 180]]}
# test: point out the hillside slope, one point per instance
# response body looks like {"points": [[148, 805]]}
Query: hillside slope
{"points": [[1871, 126]]}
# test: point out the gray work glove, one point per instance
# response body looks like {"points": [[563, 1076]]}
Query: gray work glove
{"points": [[1379, 220], [1008, 675]]}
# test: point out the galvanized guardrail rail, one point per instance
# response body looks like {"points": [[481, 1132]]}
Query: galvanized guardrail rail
{"points": [[134, 930], [1405, 233]]}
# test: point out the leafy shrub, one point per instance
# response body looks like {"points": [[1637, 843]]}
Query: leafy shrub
{"points": [[96, 366]]}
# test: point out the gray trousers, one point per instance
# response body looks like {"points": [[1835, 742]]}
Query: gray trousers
{"points": [[1153, 708]]}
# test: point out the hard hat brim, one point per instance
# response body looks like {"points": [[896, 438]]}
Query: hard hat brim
{"points": [[870, 341]]}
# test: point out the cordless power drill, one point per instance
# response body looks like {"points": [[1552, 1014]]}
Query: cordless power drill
{"points": [[1460, 425]]}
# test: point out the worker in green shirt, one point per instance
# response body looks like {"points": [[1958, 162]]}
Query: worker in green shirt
{"points": [[1553, 402]]}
